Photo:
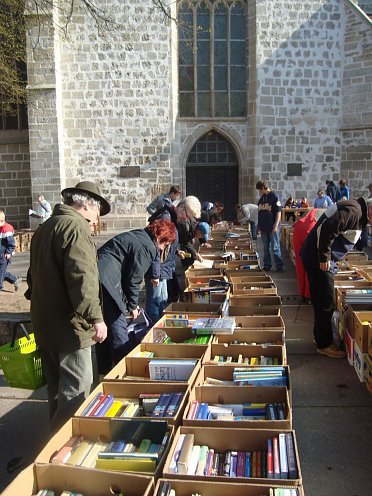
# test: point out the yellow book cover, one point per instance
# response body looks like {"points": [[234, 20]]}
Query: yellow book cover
{"points": [[90, 460], [132, 465], [114, 408], [254, 360], [80, 453]]}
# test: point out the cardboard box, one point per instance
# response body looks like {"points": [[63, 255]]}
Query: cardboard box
{"points": [[252, 337], [362, 324], [349, 346], [133, 390], [61, 478], [249, 351], [360, 363], [340, 295], [224, 373], [255, 322], [237, 395], [369, 374], [203, 279], [137, 369], [237, 310], [222, 440], [370, 341], [168, 351], [193, 309], [194, 294], [211, 488], [107, 430], [177, 335]]}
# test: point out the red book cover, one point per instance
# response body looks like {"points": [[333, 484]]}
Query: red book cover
{"points": [[192, 410], [270, 466], [254, 464], [100, 401], [208, 468], [276, 458], [258, 464]]}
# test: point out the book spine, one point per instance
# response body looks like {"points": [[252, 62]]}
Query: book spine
{"points": [[202, 413], [173, 405], [208, 468], [276, 458], [227, 465], [194, 459], [247, 470], [162, 405], [215, 465], [66, 451], [104, 406], [192, 410], [233, 464], [173, 464], [283, 456], [202, 460], [183, 460], [292, 466], [270, 466], [98, 404], [91, 405], [240, 464]]}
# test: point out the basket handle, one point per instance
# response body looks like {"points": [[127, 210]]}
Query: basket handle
{"points": [[20, 324]]}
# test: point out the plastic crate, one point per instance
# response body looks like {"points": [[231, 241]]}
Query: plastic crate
{"points": [[21, 364]]}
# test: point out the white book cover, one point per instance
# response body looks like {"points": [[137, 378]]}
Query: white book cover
{"points": [[283, 456], [171, 370]]}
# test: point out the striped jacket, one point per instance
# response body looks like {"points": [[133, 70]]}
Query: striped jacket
{"points": [[7, 242]]}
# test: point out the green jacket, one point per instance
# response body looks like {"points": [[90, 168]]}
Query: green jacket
{"points": [[63, 282]]}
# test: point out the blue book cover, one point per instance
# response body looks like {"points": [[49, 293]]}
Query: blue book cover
{"points": [[104, 407], [173, 405], [247, 469], [202, 413], [162, 405]]}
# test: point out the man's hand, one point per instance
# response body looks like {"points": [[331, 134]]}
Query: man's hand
{"points": [[134, 313], [275, 227], [325, 266], [7, 256], [101, 332], [155, 282], [199, 258], [181, 254]]}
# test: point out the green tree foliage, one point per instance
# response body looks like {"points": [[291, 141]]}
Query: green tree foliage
{"points": [[12, 55]]}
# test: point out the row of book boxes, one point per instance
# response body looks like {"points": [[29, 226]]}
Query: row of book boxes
{"points": [[77, 480], [245, 354], [210, 488], [138, 400], [252, 446], [92, 442], [200, 274]]}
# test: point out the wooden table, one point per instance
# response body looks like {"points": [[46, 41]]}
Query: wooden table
{"points": [[296, 211]]}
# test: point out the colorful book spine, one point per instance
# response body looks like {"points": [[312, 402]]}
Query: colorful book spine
{"points": [[104, 406], [283, 456], [173, 464], [162, 405], [276, 463], [292, 466], [173, 405]]}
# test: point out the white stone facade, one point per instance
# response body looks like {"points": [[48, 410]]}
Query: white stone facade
{"points": [[99, 104]]}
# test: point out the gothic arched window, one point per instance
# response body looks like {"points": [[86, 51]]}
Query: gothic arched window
{"points": [[212, 58]]}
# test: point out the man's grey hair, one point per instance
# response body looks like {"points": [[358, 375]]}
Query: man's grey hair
{"points": [[192, 206], [80, 200]]}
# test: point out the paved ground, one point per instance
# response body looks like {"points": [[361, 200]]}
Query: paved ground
{"points": [[332, 410]]}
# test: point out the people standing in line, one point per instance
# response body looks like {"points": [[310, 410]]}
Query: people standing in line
{"points": [[171, 199], [248, 214], [334, 234], [188, 208], [64, 289], [269, 212], [333, 191], [344, 190], [301, 229], [122, 263], [322, 200], [7, 247]]}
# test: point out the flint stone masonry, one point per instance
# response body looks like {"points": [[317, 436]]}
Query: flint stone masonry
{"points": [[98, 105]]}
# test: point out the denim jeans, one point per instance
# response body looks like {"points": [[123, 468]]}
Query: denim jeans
{"points": [[69, 379], [273, 239], [253, 229], [156, 299], [4, 274]]}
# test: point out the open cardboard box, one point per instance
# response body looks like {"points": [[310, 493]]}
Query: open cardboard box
{"points": [[203, 279], [259, 322], [340, 295], [237, 395], [134, 389], [212, 488], [107, 430], [362, 323], [59, 478], [253, 337], [194, 294], [224, 373], [256, 300], [227, 439], [177, 335], [193, 310], [168, 351], [247, 351], [238, 310], [137, 369]]}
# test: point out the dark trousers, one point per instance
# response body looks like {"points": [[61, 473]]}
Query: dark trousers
{"points": [[4, 274], [118, 343], [322, 292]]}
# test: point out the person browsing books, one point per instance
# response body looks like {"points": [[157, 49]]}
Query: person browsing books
{"points": [[334, 234], [123, 262], [63, 286]]}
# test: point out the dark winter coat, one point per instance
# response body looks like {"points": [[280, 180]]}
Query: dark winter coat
{"points": [[123, 262], [335, 233], [333, 192], [63, 282]]}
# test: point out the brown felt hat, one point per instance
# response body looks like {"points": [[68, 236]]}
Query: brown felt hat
{"points": [[92, 190]]}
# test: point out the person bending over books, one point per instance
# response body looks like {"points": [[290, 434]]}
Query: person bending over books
{"points": [[63, 286], [122, 263], [334, 234], [201, 233]]}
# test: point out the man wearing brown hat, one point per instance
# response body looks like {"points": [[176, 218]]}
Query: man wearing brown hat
{"points": [[63, 286]]}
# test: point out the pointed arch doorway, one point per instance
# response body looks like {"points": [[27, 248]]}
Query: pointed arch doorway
{"points": [[212, 172]]}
